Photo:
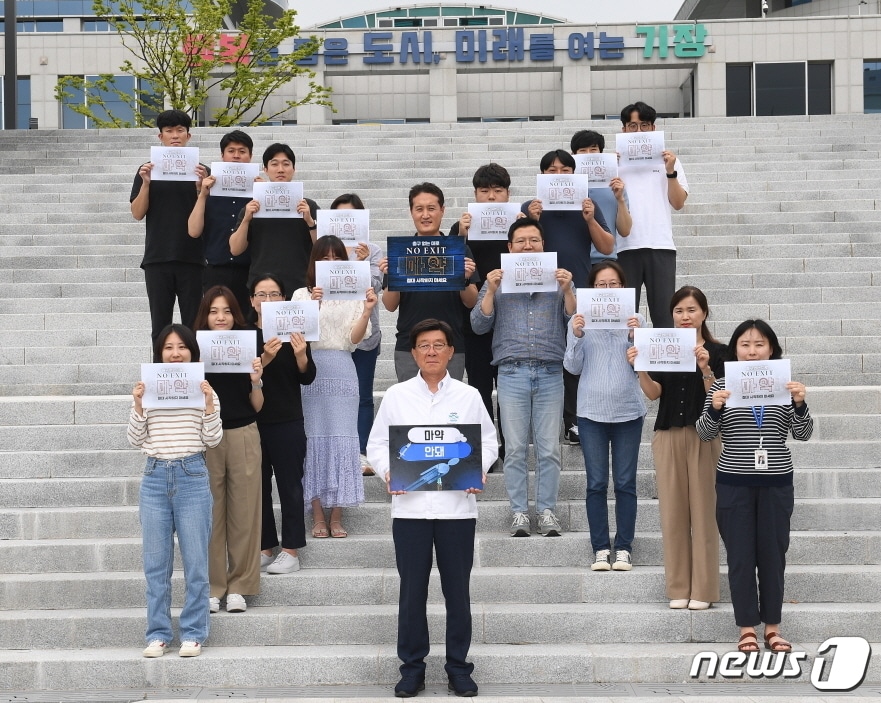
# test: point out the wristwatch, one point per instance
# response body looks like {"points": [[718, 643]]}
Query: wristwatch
{"points": [[259, 384], [672, 175]]}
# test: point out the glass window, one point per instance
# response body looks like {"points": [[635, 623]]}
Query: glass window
{"points": [[456, 11], [819, 88], [871, 86], [69, 118], [123, 110], [23, 113], [738, 90], [424, 11], [523, 18], [780, 89], [354, 22]]}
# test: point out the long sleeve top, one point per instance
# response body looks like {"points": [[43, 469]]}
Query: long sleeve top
{"points": [[741, 437], [336, 318], [412, 403], [173, 433]]}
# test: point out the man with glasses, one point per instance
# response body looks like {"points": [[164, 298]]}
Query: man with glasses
{"points": [[648, 255], [423, 522], [528, 347]]}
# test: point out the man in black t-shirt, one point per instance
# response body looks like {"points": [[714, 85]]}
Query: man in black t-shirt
{"points": [[427, 211], [173, 260]]}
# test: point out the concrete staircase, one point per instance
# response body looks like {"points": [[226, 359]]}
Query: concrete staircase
{"points": [[782, 223]]}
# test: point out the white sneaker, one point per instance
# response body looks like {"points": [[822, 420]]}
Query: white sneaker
{"points": [[622, 560], [601, 561], [156, 648], [190, 649], [284, 564], [214, 605], [235, 603], [265, 561], [366, 467]]}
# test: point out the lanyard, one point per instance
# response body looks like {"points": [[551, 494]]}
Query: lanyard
{"points": [[759, 416]]}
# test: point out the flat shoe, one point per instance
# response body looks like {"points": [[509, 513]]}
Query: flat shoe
{"points": [[679, 603], [338, 532], [779, 645], [319, 530], [698, 605]]}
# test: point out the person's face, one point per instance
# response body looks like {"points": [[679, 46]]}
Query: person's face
{"points": [[493, 194], [236, 153], [432, 353], [558, 167], [174, 136], [634, 124], [688, 313], [595, 149], [427, 213], [526, 239], [752, 346], [174, 351], [219, 314], [280, 168], [265, 291], [607, 278]]}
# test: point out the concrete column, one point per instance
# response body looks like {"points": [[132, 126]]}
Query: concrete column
{"points": [[443, 103], [311, 114], [576, 91]]}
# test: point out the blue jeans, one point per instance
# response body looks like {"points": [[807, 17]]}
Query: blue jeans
{"points": [[624, 438], [531, 393], [176, 497], [365, 367]]}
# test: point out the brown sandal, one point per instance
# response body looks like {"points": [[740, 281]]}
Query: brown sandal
{"points": [[780, 645], [338, 531], [750, 645], [319, 530]]}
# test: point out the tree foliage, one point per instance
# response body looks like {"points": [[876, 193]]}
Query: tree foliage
{"points": [[182, 54]]}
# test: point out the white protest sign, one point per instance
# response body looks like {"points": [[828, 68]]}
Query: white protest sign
{"points": [[599, 168], [352, 226], [757, 383], [491, 220], [529, 272], [606, 308], [278, 198], [640, 150], [665, 349], [227, 351], [174, 163], [343, 280], [287, 317], [561, 191], [234, 180], [173, 385]]}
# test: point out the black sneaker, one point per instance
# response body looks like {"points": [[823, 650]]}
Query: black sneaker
{"points": [[572, 435], [463, 686], [409, 688]]}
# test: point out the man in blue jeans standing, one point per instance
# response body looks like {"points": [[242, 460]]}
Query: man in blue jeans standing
{"points": [[528, 347]]}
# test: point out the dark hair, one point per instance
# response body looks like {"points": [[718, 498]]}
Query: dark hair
{"points": [[173, 118], [237, 136], [278, 148], [646, 112], [201, 321], [260, 277], [430, 325], [330, 244], [491, 176], [602, 266], [187, 336], [430, 188], [585, 139], [348, 199], [524, 222], [698, 295], [564, 156], [764, 329]]}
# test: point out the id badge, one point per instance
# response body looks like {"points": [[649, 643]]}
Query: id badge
{"points": [[761, 459]]}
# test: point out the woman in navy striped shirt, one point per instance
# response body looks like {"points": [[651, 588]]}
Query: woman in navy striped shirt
{"points": [[754, 491]]}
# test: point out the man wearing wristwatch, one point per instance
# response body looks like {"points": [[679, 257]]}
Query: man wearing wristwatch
{"points": [[648, 255], [277, 245]]}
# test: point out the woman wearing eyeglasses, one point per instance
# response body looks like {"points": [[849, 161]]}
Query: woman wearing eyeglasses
{"points": [[333, 475], [611, 411], [286, 366]]}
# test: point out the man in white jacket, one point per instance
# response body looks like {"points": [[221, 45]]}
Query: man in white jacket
{"points": [[425, 520]]}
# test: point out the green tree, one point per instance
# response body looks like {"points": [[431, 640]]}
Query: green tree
{"points": [[182, 54]]}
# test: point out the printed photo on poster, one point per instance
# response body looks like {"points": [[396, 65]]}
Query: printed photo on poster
{"points": [[435, 457], [426, 263]]}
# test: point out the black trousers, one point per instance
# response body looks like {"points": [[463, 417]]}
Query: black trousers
{"points": [[284, 451], [570, 399], [233, 277], [482, 375], [453, 542], [656, 268], [754, 525], [168, 281]]}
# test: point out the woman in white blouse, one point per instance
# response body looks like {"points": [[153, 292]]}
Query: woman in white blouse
{"points": [[332, 476]]}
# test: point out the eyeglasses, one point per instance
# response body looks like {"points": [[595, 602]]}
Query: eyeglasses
{"points": [[534, 241], [437, 346], [274, 295], [638, 126], [607, 284]]}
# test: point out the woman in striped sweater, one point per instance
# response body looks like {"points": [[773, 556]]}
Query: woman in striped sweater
{"points": [[754, 491], [175, 497]]}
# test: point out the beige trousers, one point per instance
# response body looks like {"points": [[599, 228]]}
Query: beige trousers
{"points": [[685, 471], [235, 474]]}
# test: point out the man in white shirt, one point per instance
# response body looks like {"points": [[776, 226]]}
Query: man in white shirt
{"points": [[425, 520], [648, 255]]}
